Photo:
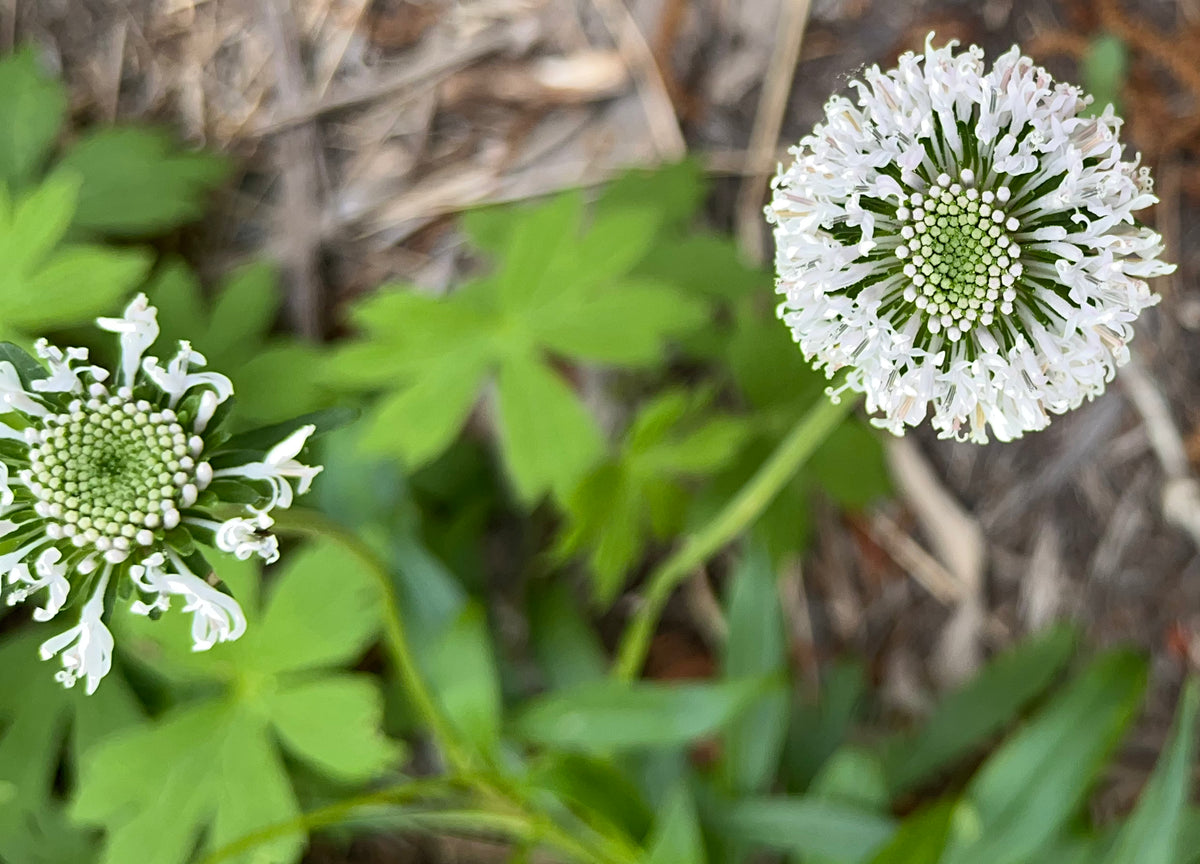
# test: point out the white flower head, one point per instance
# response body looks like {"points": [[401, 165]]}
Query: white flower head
{"points": [[138, 328], [246, 538], [120, 478], [86, 648], [961, 241]]}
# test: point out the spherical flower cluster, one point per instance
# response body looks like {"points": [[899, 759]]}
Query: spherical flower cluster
{"points": [[961, 242], [106, 487]]}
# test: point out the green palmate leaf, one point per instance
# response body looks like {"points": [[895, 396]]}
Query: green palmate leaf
{"points": [[965, 720], [805, 826], [212, 769], [43, 730], [462, 672], [676, 838], [565, 288], [613, 716], [76, 283], [1034, 784], [32, 109], [549, 439], [567, 650], [136, 183], [641, 492], [624, 325], [334, 723], [920, 839], [443, 397], [1153, 833], [756, 646]]}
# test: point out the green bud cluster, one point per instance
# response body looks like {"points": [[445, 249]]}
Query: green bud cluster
{"points": [[959, 255], [109, 473]]}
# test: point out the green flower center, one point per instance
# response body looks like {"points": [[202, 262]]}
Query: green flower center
{"points": [[110, 472], [960, 257]]}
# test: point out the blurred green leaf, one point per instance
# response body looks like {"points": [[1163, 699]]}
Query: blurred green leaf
{"points": [[805, 826], [1104, 69], [212, 767], [567, 650], [137, 183], [596, 787], [920, 839], [32, 109], [462, 673], [675, 191], [565, 288], [1030, 788], [964, 720], [639, 493], [548, 438], [614, 716], [676, 838], [1152, 833], [44, 730], [819, 727], [755, 646], [852, 776], [850, 465]]}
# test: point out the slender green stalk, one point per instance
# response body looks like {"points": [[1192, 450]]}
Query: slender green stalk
{"points": [[331, 815], [417, 691], [735, 517]]}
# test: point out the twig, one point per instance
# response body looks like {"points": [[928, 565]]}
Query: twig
{"points": [[297, 151], [929, 573], [768, 120], [1181, 491], [438, 62], [656, 99], [958, 540]]}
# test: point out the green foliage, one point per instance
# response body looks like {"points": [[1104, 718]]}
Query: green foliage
{"points": [[272, 375], [756, 646], [33, 107], [136, 183], [613, 716], [563, 290], [1104, 68], [966, 719], [640, 492], [215, 760], [45, 729]]}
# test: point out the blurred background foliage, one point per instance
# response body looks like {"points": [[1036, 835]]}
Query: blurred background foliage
{"points": [[528, 445]]}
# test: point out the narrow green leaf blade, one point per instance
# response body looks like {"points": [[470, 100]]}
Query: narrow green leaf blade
{"points": [[462, 671], [614, 716], [806, 826], [1152, 834], [965, 719], [920, 839], [756, 646], [676, 838], [1032, 786]]}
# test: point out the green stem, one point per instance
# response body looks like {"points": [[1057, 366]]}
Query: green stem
{"points": [[741, 511], [331, 815], [312, 522]]}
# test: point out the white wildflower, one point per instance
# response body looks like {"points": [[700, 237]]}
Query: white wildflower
{"points": [[121, 480], [961, 241]]}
